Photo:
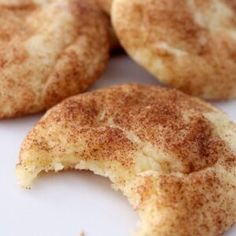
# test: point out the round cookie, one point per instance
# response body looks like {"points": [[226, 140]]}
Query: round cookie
{"points": [[172, 155], [187, 44], [49, 50]]}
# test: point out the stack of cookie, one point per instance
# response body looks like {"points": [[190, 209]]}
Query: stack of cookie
{"points": [[172, 154]]}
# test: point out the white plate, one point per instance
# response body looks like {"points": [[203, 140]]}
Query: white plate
{"points": [[67, 203]]}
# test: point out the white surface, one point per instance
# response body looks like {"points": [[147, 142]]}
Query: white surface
{"points": [[65, 204]]}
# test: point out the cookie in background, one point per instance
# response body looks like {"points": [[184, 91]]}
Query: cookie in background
{"points": [[188, 45], [49, 50]]}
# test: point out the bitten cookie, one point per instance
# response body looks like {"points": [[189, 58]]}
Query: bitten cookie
{"points": [[173, 156], [187, 44], [49, 50]]}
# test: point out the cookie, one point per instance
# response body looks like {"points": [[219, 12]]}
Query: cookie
{"points": [[189, 45], [49, 50], [173, 156]]}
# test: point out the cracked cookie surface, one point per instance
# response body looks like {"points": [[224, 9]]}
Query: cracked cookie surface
{"points": [[187, 44], [172, 155], [49, 50]]}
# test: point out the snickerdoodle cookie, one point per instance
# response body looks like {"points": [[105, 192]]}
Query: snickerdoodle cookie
{"points": [[49, 50], [187, 44], [172, 155]]}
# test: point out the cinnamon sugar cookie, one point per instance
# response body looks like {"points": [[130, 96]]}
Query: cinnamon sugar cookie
{"points": [[49, 50], [173, 156], [187, 44]]}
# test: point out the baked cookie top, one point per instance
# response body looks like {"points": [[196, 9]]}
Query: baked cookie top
{"points": [[172, 155], [49, 50], [187, 44]]}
